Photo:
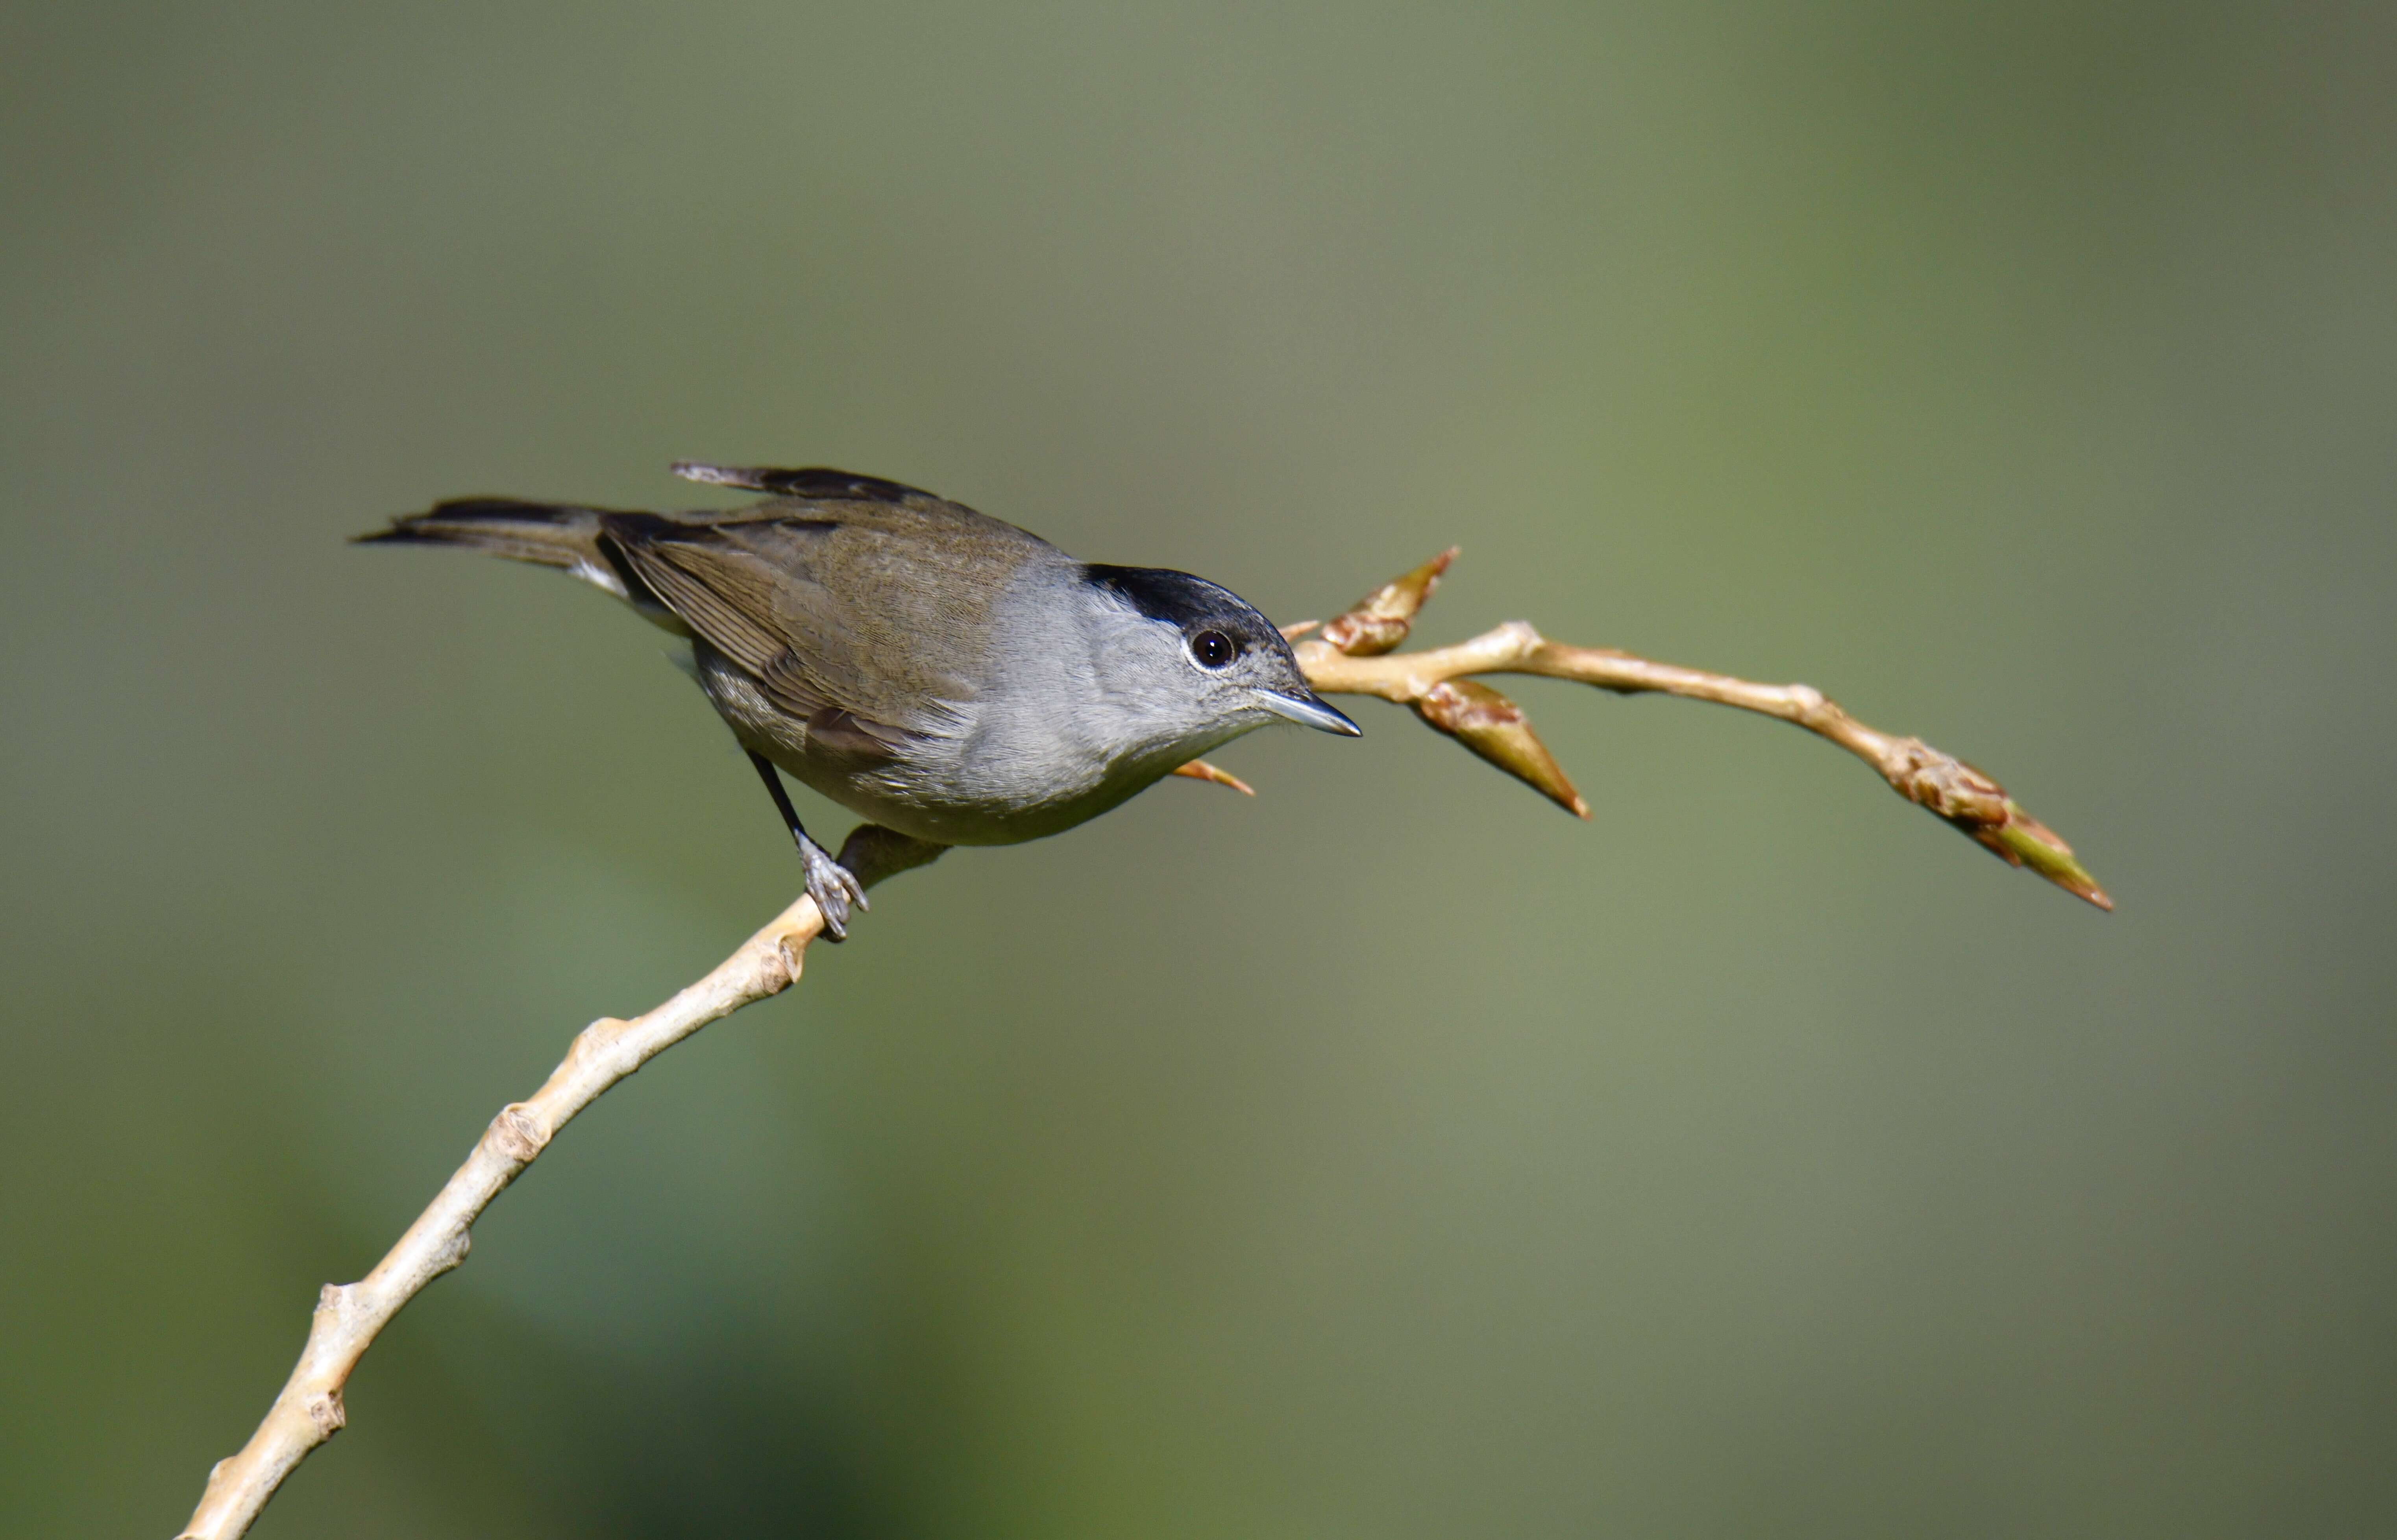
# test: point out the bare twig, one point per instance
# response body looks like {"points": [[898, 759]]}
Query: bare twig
{"points": [[309, 1410], [1352, 655]]}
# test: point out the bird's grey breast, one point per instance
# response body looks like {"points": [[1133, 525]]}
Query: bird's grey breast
{"points": [[1073, 712]]}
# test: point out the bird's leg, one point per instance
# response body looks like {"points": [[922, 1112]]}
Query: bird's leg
{"points": [[829, 883]]}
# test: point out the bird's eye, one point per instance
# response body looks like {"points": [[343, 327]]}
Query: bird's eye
{"points": [[1213, 648]]}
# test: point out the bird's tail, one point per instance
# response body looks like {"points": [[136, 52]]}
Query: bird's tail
{"points": [[545, 533]]}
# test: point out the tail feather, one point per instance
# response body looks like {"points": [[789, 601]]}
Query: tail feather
{"points": [[547, 534], [543, 532]]}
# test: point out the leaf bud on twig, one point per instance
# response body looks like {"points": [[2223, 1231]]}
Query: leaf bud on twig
{"points": [[1381, 620], [1496, 727]]}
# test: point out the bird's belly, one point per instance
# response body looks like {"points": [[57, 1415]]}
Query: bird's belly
{"points": [[926, 802], [938, 791], [977, 788]]}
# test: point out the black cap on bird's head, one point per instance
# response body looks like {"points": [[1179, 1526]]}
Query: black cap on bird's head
{"points": [[1224, 639]]}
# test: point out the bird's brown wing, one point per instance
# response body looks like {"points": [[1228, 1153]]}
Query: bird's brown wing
{"points": [[857, 613], [750, 592]]}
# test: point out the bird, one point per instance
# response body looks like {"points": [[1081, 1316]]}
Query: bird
{"points": [[947, 676]]}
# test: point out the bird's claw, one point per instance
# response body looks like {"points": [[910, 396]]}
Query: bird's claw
{"points": [[834, 886]]}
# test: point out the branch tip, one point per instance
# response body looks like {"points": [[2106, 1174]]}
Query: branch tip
{"points": [[2019, 840], [1971, 799]]}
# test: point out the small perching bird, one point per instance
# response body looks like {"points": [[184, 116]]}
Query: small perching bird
{"points": [[954, 679]]}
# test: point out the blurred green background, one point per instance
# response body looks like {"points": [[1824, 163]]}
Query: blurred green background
{"points": [[1388, 1156]]}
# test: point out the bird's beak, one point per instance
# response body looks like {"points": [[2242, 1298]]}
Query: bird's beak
{"points": [[1309, 710]]}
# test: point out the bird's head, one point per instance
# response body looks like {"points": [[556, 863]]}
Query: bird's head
{"points": [[1197, 659]]}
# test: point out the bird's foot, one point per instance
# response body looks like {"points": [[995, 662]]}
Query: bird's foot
{"points": [[833, 887]]}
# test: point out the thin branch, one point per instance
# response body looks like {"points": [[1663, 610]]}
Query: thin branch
{"points": [[348, 1317], [1352, 656]]}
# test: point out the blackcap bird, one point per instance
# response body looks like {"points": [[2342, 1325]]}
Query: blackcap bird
{"points": [[949, 676]]}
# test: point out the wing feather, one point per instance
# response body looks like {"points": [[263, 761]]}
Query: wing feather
{"points": [[858, 605]]}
